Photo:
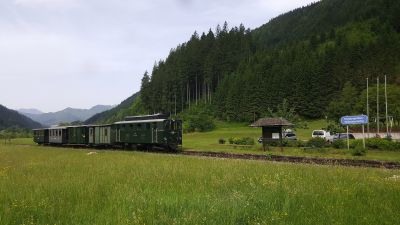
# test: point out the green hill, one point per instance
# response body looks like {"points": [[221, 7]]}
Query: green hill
{"points": [[305, 56], [129, 106], [11, 118]]}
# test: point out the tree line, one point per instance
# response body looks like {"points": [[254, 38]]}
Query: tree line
{"points": [[243, 74]]}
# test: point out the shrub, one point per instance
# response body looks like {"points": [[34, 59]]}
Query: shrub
{"points": [[200, 123], [275, 143], [382, 144], [297, 143], [339, 144], [241, 141], [198, 118], [358, 150], [317, 142], [221, 141], [354, 143]]}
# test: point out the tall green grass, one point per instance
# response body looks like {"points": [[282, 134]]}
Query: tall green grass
{"points": [[44, 185]]}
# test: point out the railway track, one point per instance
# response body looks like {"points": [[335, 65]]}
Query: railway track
{"points": [[298, 159]]}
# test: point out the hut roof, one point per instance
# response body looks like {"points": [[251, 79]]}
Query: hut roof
{"points": [[271, 122]]}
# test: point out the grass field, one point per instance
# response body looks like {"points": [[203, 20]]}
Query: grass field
{"points": [[45, 185], [208, 141]]}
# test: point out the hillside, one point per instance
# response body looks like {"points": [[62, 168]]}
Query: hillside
{"points": [[305, 56], [11, 118], [127, 107], [322, 17], [67, 115]]}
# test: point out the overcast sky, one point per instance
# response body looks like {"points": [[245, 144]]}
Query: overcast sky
{"points": [[79, 53]]}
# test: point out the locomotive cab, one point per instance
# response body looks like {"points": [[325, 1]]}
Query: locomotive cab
{"points": [[173, 133]]}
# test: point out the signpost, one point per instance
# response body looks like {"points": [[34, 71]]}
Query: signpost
{"points": [[352, 120]]}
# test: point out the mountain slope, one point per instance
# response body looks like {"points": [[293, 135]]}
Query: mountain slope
{"points": [[11, 118], [67, 115], [125, 108], [305, 56], [322, 17]]}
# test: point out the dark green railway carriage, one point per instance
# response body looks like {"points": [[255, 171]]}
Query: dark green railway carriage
{"points": [[148, 133], [78, 135], [41, 136]]}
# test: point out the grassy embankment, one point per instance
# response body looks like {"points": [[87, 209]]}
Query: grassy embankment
{"points": [[45, 185], [208, 141]]}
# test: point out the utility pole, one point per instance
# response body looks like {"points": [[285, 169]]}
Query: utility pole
{"points": [[367, 109], [377, 105], [386, 116]]}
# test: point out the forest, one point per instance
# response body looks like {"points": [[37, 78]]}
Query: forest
{"points": [[304, 57]]}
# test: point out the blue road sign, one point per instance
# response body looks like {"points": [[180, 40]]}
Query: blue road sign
{"points": [[349, 120]]}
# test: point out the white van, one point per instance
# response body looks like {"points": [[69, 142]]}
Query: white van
{"points": [[322, 134]]}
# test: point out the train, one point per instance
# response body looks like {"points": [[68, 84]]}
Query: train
{"points": [[134, 132]]}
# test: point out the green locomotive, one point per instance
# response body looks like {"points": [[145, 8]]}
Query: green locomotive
{"points": [[140, 132]]}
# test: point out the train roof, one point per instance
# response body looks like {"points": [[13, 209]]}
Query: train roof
{"points": [[140, 121], [146, 117], [56, 128]]}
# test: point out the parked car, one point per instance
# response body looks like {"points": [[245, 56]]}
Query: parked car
{"points": [[287, 136], [290, 136], [322, 134], [340, 136]]}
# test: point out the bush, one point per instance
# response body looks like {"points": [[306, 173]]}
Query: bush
{"points": [[199, 123], [339, 144], [198, 118], [275, 143], [241, 141], [221, 141], [382, 144], [297, 143], [358, 150], [316, 142]]}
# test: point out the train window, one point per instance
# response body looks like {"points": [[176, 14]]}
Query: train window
{"points": [[139, 126], [131, 126], [147, 125], [105, 132], [59, 133]]}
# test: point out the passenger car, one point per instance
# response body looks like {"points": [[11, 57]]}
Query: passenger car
{"points": [[339, 136], [322, 134]]}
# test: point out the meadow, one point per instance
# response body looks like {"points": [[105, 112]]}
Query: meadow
{"points": [[208, 141], [46, 185]]}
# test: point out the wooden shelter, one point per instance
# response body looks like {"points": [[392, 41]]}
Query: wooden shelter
{"points": [[270, 126]]}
